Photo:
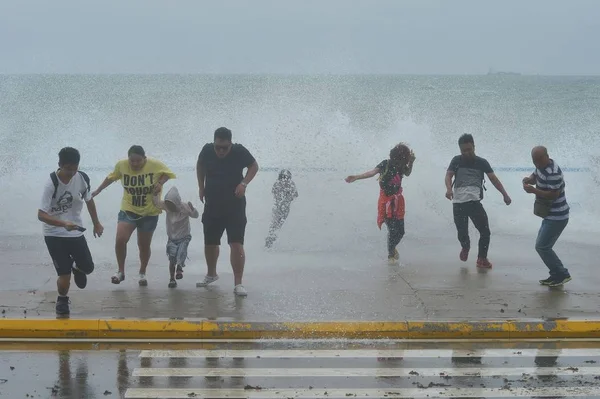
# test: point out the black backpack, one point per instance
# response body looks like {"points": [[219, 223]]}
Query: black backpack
{"points": [[55, 182]]}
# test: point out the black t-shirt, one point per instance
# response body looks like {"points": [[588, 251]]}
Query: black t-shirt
{"points": [[223, 175], [390, 177]]}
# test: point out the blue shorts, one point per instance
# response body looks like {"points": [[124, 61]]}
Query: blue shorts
{"points": [[142, 223]]}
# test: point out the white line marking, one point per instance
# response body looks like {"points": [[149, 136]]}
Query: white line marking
{"points": [[525, 372], [362, 353], [143, 393]]}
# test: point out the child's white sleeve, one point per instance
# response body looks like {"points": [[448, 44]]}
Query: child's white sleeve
{"points": [[191, 213]]}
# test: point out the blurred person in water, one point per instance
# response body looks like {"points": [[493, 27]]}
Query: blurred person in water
{"points": [[391, 204], [284, 192]]}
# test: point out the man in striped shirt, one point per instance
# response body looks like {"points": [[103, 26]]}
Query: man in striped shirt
{"points": [[550, 190]]}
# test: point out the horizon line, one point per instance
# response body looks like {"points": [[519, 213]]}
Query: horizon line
{"points": [[286, 74]]}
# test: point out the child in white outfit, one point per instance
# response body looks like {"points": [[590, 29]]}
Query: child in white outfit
{"points": [[178, 231]]}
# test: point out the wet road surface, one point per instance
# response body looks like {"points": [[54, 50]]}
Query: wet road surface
{"points": [[429, 284], [294, 369]]}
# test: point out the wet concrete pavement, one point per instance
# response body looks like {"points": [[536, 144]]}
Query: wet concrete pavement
{"points": [[429, 284], [287, 369]]}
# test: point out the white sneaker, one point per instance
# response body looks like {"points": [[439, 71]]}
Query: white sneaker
{"points": [[207, 280], [143, 282], [239, 290]]}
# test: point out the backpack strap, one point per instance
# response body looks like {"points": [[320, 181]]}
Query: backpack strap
{"points": [[87, 182], [54, 179], [455, 170]]}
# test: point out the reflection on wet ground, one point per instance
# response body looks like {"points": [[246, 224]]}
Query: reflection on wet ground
{"points": [[299, 368]]}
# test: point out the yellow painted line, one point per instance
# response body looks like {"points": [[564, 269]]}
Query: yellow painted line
{"points": [[556, 328], [457, 330], [216, 330], [48, 328], [342, 329], [136, 328]]}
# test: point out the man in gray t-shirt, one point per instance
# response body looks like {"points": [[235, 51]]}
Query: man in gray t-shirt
{"points": [[468, 171]]}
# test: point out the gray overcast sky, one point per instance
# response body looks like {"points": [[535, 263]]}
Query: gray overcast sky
{"points": [[300, 36]]}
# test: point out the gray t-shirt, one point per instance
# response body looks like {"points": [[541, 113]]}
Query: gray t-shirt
{"points": [[468, 177]]}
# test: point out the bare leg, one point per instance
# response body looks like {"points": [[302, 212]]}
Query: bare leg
{"points": [[211, 253], [63, 283], [172, 270], [238, 259], [124, 231], [144, 241]]}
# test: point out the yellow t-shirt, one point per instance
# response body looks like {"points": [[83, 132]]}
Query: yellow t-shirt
{"points": [[139, 184]]}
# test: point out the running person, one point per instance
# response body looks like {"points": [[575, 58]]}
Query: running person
{"points": [[466, 193], [552, 206], [284, 192], [141, 178], [220, 181], [60, 211], [391, 205], [179, 231]]}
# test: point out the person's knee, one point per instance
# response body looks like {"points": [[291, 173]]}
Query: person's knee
{"points": [[87, 267], [237, 249], [485, 232], [237, 246], [64, 275], [236, 234], [542, 247], [396, 235], [122, 240], [211, 248]]}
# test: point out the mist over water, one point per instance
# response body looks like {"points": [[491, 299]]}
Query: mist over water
{"points": [[320, 127]]}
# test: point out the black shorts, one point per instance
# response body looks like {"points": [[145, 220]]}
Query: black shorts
{"points": [[214, 226], [65, 251]]}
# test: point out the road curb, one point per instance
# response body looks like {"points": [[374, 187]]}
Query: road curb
{"points": [[207, 329]]}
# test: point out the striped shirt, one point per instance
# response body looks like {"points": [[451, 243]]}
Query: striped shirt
{"points": [[549, 179]]}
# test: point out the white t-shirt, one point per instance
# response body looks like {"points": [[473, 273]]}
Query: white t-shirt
{"points": [[66, 205]]}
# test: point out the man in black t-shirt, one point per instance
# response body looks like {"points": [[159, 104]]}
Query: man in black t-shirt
{"points": [[222, 189]]}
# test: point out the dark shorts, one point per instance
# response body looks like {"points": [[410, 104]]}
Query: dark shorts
{"points": [[142, 223], [66, 251], [214, 226]]}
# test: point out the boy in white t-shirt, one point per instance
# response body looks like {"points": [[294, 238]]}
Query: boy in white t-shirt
{"points": [[60, 210]]}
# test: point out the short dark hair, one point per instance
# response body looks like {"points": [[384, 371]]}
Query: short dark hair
{"points": [[223, 133], [466, 138], [136, 149], [68, 156]]}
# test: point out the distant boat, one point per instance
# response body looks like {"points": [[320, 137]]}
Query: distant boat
{"points": [[492, 72]]}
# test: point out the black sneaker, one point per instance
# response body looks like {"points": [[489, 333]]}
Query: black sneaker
{"points": [[80, 278], [546, 281], [62, 306], [558, 281]]}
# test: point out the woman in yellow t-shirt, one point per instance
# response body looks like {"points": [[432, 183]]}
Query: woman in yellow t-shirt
{"points": [[141, 178]]}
